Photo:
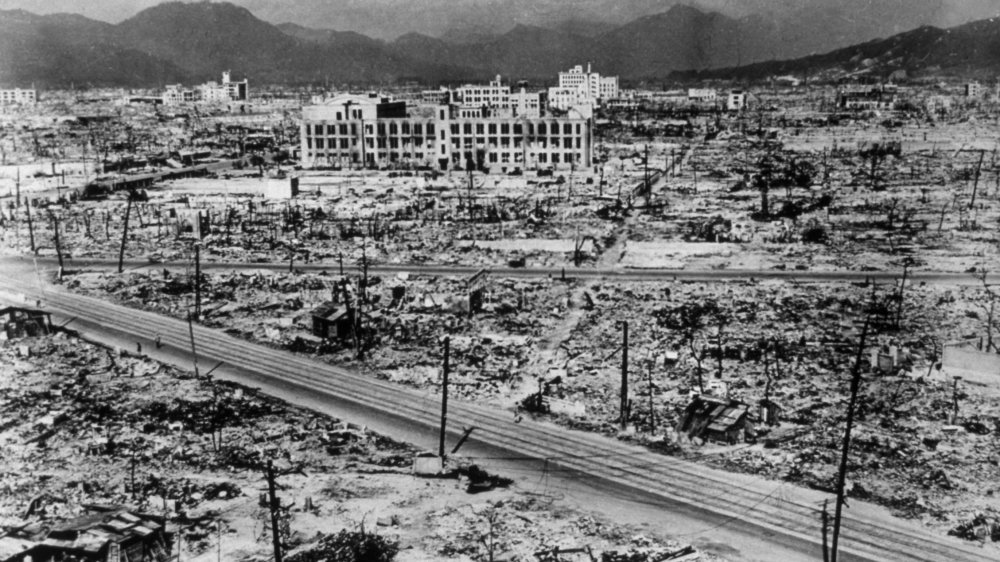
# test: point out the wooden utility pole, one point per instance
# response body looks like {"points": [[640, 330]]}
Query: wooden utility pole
{"points": [[444, 397], [121, 252], [274, 506], [31, 228], [623, 408], [55, 229], [975, 185], [902, 292], [652, 411], [842, 472], [194, 352], [197, 281]]}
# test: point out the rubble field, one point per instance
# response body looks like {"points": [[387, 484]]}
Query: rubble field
{"points": [[552, 348], [83, 425], [808, 192]]}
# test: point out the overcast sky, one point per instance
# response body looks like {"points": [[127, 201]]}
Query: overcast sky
{"points": [[376, 16]]}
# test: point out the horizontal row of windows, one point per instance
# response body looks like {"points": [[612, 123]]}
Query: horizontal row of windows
{"points": [[492, 157]]}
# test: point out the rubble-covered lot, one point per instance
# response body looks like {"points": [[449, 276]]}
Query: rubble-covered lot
{"points": [[405, 319], [792, 344], [81, 425], [795, 345]]}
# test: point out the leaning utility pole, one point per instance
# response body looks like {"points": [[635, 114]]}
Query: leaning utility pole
{"points": [[842, 472], [274, 506], [444, 397], [121, 252], [623, 409], [975, 185]]}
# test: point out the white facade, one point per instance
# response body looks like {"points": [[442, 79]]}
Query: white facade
{"points": [[702, 95], [18, 95], [358, 131], [737, 100], [494, 95], [579, 87]]}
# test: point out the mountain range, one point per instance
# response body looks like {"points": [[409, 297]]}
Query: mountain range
{"points": [[190, 42]]}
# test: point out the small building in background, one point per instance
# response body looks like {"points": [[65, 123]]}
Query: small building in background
{"points": [[332, 321], [736, 101], [22, 96]]}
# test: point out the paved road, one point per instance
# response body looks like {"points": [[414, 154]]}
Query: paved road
{"points": [[785, 514], [713, 275]]}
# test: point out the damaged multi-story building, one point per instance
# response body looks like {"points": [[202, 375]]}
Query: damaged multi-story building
{"points": [[375, 131]]}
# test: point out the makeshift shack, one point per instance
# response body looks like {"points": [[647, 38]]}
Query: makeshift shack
{"points": [[109, 534], [192, 224], [716, 419], [332, 321], [24, 322]]}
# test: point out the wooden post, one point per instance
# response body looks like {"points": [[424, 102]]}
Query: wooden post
{"points": [[274, 505], [55, 228], [197, 281], [31, 228], [444, 398], [652, 412], [194, 352], [825, 530], [842, 472], [623, 408], [121, 252], [975, 186], [902, 290]]}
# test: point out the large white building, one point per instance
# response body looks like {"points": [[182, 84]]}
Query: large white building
{"points": [[372, 131], [227, 91], [494, 99], [579, 87], [18, 95]]}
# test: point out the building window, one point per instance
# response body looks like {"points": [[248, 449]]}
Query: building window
{"points": [[454, 129], [493, 128], [567, 129], [393, 129], [480, 129], [418, 129], [467, 128], [343, 130], [319, 142], [518, 129], [542, 129], [330, 130]]}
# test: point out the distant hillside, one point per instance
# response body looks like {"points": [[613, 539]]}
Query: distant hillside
{"points": [[62, 49], [972, 49], [189, 42], [192, 42]]}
